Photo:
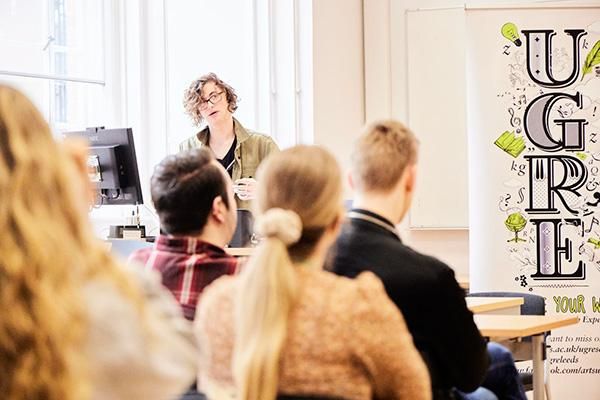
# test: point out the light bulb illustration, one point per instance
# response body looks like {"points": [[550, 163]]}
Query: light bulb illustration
{"points": [[510, 31]]}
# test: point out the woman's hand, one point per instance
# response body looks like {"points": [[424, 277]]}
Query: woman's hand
{"points": [[245, 188]]}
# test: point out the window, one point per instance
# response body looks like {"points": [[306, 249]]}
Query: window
{"points": [[263, 48], [56, 56]]}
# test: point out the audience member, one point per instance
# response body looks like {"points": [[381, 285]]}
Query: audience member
{"points": [[74, 323], [238, 149], [424, 288], [193, 197], [285, 326]]}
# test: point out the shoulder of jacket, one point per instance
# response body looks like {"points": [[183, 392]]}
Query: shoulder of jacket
{"points": [[190, 143], [259, 136]]}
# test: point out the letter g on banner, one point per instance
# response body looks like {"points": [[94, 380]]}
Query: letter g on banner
{"points": [[537, 129]]}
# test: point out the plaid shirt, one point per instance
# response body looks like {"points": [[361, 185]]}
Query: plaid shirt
{"points": [[187, 265]]}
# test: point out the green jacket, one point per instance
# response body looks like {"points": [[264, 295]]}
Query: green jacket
{"points": [[251, 148]]}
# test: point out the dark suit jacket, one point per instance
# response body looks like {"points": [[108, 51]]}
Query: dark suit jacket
{"points": [[426, 291]]}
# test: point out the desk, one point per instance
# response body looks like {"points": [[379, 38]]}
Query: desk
{"points": [[518, 326], [463, 282], [239, 251], [495, 305]]}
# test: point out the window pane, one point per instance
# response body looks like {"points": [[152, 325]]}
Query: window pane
{"points": [[35, 34], [36, 89], [79, 105], [67, 105]]}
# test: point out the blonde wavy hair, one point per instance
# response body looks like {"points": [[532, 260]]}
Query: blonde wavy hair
{"points": [[47, 253], [305, 180]]}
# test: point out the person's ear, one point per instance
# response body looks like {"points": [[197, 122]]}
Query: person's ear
{"points": [[218, 209], [336, 224], [411, 178], [351, 181]]}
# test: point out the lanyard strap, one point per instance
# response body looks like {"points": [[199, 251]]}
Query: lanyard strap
{"points": [[230, 164], [368, 218]]}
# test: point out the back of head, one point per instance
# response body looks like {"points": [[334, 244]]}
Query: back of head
{"points": [[47, 250], [299, 195], [42, 331], [381, 155], [183, 189], [307, 181]]}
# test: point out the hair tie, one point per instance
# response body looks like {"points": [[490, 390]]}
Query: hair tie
{"points": [[284, 225]]}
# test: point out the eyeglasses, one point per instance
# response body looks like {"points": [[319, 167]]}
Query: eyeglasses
{"points": [[213, 99]]}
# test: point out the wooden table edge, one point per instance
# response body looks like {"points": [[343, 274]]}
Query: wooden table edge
{"points": [[508, 331], [502, 303]]}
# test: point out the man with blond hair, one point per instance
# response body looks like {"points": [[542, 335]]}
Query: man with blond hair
{"points": [[383, 174]]}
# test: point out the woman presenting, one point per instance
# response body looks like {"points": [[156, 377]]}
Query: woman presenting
{"points": [[239, 150]]}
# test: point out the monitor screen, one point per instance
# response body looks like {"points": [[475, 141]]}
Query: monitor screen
{"points": [[112, 165]]}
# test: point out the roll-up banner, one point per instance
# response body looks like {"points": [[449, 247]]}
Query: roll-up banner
{"points": [[534, 172]]}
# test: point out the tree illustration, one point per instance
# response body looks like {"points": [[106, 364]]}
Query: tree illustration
{"points": [[515, 223]]}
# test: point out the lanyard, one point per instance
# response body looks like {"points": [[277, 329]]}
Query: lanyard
{"points": [[368, 218], [230, 165]]}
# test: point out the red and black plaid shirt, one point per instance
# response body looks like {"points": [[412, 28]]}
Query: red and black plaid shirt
{"points": [[187, 265]]}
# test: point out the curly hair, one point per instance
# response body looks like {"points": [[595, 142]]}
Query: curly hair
{"points": [[48, 253], [192, 97]]}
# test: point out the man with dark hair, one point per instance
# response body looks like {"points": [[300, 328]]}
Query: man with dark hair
{"points": [[193, 196], [383, 175]]}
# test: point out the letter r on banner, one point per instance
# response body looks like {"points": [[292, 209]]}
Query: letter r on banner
{"points": [[552, 177]]}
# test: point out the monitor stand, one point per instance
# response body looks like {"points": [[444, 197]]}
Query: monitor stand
{"points": [[131, 231]]}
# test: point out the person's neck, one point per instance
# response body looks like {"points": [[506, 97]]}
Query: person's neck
{"points": [[315, 260], [380, 204], [222, 131], [214, 235]]}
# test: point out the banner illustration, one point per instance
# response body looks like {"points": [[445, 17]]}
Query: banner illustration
{"points": [[534, 127]]}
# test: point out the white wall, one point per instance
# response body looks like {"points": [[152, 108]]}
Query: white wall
{"points": [[338, 75], [385, 96]]}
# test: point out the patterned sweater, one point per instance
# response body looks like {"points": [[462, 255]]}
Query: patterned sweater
{"points": [[345, 340]]}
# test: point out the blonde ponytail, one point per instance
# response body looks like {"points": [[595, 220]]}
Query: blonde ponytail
{"points": [[299, 194], [267, 293]]}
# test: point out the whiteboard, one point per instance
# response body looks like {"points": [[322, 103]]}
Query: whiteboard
{"points": [[436, 98]]}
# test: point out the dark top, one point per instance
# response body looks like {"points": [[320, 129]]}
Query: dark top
{"points": [[426, 291], [229, 159]]}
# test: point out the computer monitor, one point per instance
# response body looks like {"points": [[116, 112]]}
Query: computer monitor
{"points": [[112, 165]]}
